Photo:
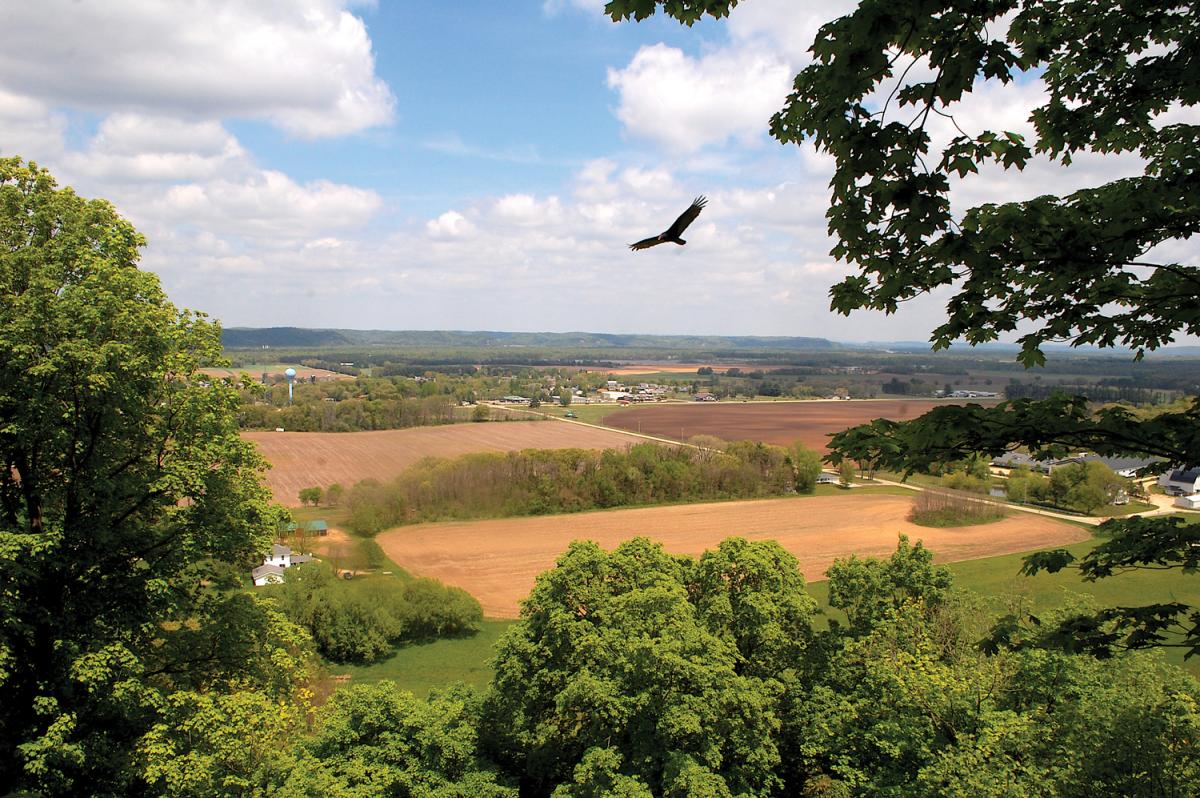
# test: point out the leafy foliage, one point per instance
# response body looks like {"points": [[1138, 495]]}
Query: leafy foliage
{"points": [[364, 619], [650, 674], [120, 466]]}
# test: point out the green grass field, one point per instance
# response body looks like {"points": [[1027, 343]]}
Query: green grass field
{"points": [[423, 667]]}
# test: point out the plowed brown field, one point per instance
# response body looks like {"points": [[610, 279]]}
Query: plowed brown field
{"points": [[317, 459], [497, 561], [782, 423]]}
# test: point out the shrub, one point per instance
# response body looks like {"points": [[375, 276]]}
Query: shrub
{"points": [[364, 619]]}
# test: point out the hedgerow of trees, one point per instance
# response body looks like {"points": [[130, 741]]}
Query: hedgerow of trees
{"points": [[546, 481]]}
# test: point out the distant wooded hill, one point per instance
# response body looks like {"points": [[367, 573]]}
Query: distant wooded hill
{"points": [[297, 337]]}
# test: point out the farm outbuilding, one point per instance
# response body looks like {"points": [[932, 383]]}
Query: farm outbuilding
{"points": [[1189, 502], [1181, 482]]}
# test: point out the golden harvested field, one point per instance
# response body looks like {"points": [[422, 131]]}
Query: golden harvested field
{"points": [[782, 423], [308, 459], [497, 561]]}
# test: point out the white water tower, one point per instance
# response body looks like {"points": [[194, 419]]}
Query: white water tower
{"points": [[290, 373]]}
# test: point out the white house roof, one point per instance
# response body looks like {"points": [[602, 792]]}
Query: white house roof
{"points": [[280, 551], [266, 570]]}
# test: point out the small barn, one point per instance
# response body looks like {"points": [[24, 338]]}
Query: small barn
{"points": [[1189, 502]]}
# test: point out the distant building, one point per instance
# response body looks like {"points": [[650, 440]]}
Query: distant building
{"points": [[1017, 460], [1122, 466], [826, 478], [970, 394], [267, 575], [317, 527], [704, 397], [1181, 482]]}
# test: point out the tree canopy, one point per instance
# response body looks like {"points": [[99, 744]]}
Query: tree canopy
{"points": [[1104, 265], [121, 473]]}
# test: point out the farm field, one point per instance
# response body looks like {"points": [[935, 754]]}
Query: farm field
{"points": [[256, 370], [782, 423], [306, 459], [497, 560]]}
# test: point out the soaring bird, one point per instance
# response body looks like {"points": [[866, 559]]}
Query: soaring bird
{"points": [[674, 231]]}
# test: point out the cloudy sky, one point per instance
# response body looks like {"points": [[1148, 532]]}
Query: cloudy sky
{"points": [[466, 165]]}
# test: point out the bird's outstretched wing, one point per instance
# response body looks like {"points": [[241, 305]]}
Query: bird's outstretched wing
{"points": [[646, 243], [685, 218]]}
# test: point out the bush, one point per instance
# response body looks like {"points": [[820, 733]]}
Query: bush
{"points": [[364, 619]]}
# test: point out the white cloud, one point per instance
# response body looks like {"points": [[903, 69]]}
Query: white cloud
{"points": [[307, 66], [135, 147], [269, 204], [524, 209], [450, 224], [684, 103], [28, 127]]}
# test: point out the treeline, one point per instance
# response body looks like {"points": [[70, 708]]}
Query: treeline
{"points": [[546, 481], [363, 620], [351, 415], [1082, 487], [1103, 391]]}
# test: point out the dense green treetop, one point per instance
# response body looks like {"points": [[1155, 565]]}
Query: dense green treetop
{"points": [[120, 469]]}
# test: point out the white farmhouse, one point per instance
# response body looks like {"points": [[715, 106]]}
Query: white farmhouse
{"points": [[274, 564]]}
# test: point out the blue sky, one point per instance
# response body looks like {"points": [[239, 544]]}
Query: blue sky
{"points": [[465, 165]]}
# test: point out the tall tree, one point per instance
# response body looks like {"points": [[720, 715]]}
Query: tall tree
{"points": [[1101, 266], [120, 466], [636, 672]]}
